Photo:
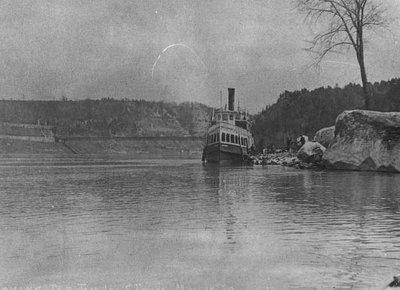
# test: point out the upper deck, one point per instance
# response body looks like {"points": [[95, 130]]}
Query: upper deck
{"points": [[230, 119], [230, 126]]}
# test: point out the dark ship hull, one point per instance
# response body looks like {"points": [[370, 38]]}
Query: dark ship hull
{"points": [[224, 153]]}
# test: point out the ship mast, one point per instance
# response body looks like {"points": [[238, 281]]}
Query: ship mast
{"points": [[220, 99]]}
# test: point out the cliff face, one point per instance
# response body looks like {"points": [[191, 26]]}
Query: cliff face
{"points": [[108, 117], [365, 140]]}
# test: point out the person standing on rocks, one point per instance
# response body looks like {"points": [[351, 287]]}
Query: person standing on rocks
{"points": [[288, 142]]}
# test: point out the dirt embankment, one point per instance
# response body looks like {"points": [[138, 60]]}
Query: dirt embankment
{"points": [[192, 146]]}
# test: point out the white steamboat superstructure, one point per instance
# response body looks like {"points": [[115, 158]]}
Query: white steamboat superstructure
{"points": [[228, 136]]}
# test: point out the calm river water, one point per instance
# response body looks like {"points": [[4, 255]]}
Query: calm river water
{"points": [[110, 223]]}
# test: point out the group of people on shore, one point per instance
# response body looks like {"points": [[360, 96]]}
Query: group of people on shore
{"points": [[291, 146]]}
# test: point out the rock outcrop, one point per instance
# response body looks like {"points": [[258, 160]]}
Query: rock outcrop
{"points": [[325, 136], [365, 140], [311, 152]]}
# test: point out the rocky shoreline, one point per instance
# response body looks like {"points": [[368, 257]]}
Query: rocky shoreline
{"points": [[360, 141], [286, 159], [365, 141]]}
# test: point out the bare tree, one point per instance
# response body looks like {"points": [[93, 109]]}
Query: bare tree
{"points": [[346, 22]]}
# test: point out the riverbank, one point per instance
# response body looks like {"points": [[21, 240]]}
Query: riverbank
{"points": [[190, 146]]}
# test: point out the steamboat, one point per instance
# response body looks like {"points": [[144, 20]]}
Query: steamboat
{"points": [[228, 136]]}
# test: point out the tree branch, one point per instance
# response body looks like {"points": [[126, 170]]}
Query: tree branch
{"points": [[347, 20]]}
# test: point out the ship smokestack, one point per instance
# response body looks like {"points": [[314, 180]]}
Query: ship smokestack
{"points": [[231, 99]]}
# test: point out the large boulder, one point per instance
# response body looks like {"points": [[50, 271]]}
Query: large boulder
{"points": [[311, 152], [325, 136], [365, 140]]}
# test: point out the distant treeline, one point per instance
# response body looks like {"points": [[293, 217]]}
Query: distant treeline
{"points": [[305, 112], [109, 117], [294, 113]]}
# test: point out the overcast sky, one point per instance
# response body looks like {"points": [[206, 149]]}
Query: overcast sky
{"points": [[111, 48]]}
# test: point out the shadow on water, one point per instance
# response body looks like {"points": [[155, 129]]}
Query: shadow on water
{"points": [[355, 213], [366, 201], [321, 192]]}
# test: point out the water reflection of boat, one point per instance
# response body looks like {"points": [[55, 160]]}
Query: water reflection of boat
{"points": [[228, 137], [229, 185]]}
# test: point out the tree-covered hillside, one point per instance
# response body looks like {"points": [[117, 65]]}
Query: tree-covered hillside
{"points": [[109, 117], [305, 112]]}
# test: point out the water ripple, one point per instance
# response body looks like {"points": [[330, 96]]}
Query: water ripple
{"points": [[104, 219]]}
